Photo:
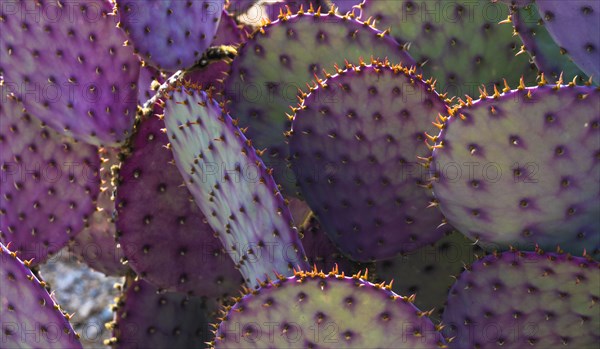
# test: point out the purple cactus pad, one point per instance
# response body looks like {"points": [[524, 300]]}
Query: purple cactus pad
{"points": [[49, 184], [355, 143], [65, 60], [170, 34]]}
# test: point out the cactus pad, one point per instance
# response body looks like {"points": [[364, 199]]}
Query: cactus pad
{"points": [[146, 318], [436, 34], [170, 34], [575, 25], [523, 168], [48, 182], [526, 300], [66, 61], [541, 47], [275, 62], [30, 318], [430, 271], [232, 187], [354, 145], [164, 236], [318, 310]]}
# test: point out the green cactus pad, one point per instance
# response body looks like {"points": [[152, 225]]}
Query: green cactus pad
{"points": [[458, 42], [29, 316], [317, 310], [521, 300], [284, 56], [231, 185], [523, 168], [430, 271]]}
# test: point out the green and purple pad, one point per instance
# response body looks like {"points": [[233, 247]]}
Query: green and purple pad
{"points": [[430, 271], [316, 310], [457, 42], [523, 169]]}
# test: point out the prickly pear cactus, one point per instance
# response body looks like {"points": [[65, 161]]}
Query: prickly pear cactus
{"points": [[199, 189], [170, 34], [232, 187], [354, 143], [526, 300], [49, 184], [30, 318], [66, 61], [164, 235], [274, 63], [522, 168], [312, 310]]}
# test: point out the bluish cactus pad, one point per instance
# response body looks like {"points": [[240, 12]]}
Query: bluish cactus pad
{"points": [[170, 34]]}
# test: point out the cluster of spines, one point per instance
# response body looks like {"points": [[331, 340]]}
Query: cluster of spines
{"points": [[112, 325]]}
